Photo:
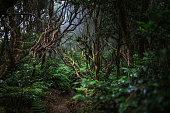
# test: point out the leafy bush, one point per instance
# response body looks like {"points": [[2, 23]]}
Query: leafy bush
{"points": [[19, 98], [57, 75], [19, 91], [144, 91]]}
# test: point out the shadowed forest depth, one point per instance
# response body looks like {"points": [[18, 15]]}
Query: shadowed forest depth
{"points": [[84, 56]]}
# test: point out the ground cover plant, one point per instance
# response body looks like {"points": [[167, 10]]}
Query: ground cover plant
{"points": [[84, 56]]}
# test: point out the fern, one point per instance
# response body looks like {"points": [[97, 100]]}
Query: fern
{"points": [[38, 106]]}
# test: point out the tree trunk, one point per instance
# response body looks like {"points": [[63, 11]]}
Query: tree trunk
{"points": [[122, 21]]}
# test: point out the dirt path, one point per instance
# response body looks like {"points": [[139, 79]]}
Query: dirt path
{"points": [[56, 102]]}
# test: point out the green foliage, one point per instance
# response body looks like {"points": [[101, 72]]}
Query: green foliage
{"points": [[130, 95], [57, 75], [141, 87], [38, 107], [60, 81], [78, 96], [156, 30], [17, 98]]}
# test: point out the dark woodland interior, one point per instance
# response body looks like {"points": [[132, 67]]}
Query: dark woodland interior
{"points": [[84, 56]]}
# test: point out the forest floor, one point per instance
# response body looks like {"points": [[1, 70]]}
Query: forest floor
{"points": [[58, 102]]}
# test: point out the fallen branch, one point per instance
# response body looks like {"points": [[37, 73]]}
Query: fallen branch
{"points": [[131, 94]]}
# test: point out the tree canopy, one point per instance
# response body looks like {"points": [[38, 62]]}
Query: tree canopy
{"points": [[84, 56]]}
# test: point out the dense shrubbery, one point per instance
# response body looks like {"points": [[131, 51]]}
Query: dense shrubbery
{"points": [[116, 63], [21, 91], [142, 87], [140, 93], [57, 74]]}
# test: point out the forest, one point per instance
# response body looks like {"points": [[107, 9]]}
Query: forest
{"points": [[84, 56]]}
